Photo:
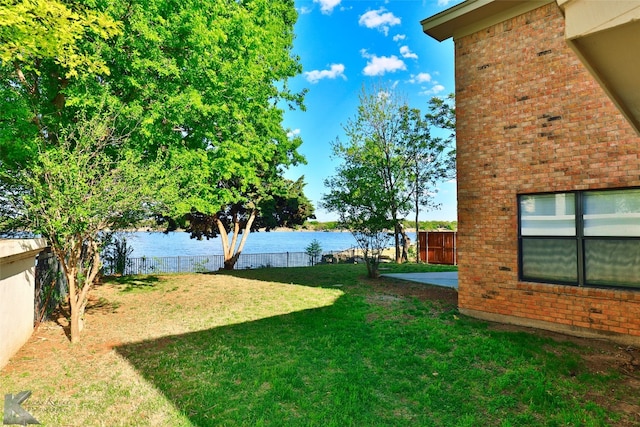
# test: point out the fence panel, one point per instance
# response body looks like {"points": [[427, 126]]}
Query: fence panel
{"points": [[438, 247], [208, 263], [50, 284]]}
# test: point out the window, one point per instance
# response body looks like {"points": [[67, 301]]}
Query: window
{"points": [[589, 238]]}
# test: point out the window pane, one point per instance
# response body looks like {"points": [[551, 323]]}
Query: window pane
{"points": [[612, 262], [550, 259], [548, 215], [612, 213]]}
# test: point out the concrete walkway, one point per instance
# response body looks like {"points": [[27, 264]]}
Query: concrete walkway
{"points": [[444, 278]]}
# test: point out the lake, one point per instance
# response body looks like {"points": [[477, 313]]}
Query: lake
{"points": [[158, 244]]}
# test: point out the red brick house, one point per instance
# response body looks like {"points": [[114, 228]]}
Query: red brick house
{"points": [[548, 167]]}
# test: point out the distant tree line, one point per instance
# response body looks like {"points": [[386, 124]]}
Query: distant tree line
{"points": [[409, 225]]}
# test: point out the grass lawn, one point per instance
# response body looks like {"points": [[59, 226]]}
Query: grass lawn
{"points": [[316, 346]]}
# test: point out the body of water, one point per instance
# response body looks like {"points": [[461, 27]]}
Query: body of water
{"points": [[157, 244]]}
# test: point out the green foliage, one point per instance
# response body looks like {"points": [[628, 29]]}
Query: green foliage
{"points": [[388, 152], [199, 90], [432, 225], [116, 254], [209, 77], [201, 83], [322, 226], [32, 31], [314, 250], [89, 182]]}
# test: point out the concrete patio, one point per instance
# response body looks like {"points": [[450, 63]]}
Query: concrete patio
{"points": [[448, 279]]}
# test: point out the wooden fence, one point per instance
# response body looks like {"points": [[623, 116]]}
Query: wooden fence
{"points": [[438, 247]]}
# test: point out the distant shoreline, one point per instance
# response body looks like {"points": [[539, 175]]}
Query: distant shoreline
{"points": [[325, 227]]}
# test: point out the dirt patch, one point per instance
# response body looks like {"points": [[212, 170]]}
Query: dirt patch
{"points": [[447, 298]]}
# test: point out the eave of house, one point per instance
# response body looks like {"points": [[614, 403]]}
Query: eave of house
{"points": [[606, 37], [474, 15], [604, 34]]}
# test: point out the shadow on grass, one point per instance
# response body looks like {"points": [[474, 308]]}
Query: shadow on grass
{"points": [[353, 363], [281, 370], [133, 283], [324, 275], [331, 275]]}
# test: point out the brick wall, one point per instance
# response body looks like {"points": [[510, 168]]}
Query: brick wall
{"points": [[532, 119]]}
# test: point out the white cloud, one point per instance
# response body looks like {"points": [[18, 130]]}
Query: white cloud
{"points": [[406, 52], [336, 70], [444, 2], [293, 133], [304, 10], [379, 19], [327, 6], [420, 78], [433, 90], [399, 37], [379, 65]]}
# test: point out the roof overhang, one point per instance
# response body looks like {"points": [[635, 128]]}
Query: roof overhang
{"points": [[604, 34], [606, 37], [474, 15]]}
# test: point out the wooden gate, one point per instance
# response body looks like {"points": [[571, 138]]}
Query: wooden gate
{"points": [[438, 247]]}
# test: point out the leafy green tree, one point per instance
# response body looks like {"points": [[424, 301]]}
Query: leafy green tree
{"points": [[41, 54], [197, 86], [76, 190], [280, 203], [388, 150], [433, 157], [375, 148], [235, 70], [313, 250], [356, 197]]}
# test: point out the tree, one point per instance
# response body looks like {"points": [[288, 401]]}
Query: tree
{"points": [[313, 250], [389, 160], [41, 54], [433, 157], [73, 192], [231, 117], [375, 146], [361, 207], [197, 86], [65, 182], [280, 203]]}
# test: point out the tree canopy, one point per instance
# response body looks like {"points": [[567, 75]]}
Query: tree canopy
{"points": [[389, 157], [194, 89]]}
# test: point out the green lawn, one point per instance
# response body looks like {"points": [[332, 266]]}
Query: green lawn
{"points": [[317, 346]]}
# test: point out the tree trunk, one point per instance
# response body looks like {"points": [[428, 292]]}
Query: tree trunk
{"points": [[372, 268], [74, 269], [76, 322], [396, 236], [417, 229], [230, 263], [231, 255], [405, 245]]}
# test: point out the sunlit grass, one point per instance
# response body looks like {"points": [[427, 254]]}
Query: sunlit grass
{"points": [[314, 346]]}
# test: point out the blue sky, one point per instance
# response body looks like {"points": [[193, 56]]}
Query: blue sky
{"points": [[345, 44]]}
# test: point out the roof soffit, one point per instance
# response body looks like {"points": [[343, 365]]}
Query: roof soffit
{"points": [[474, 15]]}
